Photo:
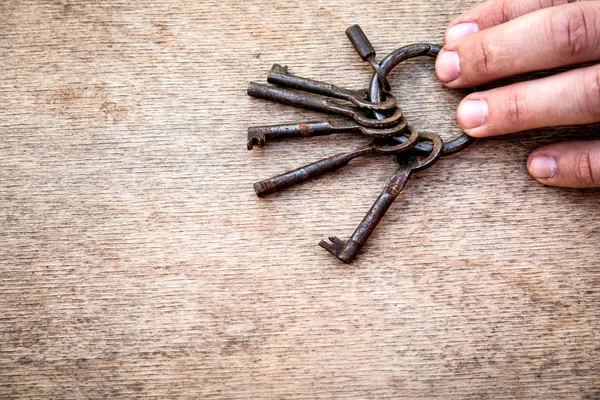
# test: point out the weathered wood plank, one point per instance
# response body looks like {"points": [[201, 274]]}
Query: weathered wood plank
{"points": [[135, 260]]}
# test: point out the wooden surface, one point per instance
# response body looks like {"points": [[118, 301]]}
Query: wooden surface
{"points": [[136, 261]]}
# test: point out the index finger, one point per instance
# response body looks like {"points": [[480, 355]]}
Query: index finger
{"points": [[495, 12], [544, 39]]}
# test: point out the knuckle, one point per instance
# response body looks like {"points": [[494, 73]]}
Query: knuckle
{"points": [[484, 54], [517, 108], [586, 168], [503, 12], [591, 82], [554, 3], [571, 31]]}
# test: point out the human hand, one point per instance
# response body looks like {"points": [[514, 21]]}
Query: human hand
{"points": [[502, 38]]}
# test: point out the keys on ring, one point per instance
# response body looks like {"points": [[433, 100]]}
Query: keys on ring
{"points": [[373, 113]]}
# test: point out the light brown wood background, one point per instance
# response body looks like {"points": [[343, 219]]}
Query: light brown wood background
{"points": [[136, 261]]}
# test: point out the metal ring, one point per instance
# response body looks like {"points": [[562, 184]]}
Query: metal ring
{"points": [[382, 133], [387, 65], [381, 75], [389, 103], [361, 117], [410, 142], [437, 146]]}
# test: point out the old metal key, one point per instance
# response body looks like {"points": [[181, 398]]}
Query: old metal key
{"points": [[331, 164], [279, 75], [310, 101], [347, 251], [258, 136]]}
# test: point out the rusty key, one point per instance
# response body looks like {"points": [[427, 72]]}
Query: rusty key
{"points": [[279, 75], [258, 136], [347, 251], [311, 101]]}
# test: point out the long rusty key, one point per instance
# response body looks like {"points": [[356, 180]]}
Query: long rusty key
{"points": [[279, 75], [347, 251], [310, 101], [258, 136], [331, 164]]}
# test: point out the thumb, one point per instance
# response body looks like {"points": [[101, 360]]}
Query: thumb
{"points": [[568, 164]]}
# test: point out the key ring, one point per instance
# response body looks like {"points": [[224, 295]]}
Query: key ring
{"points": [[437, 146], [387, 65]]}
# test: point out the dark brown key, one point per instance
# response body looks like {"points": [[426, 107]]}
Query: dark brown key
{"points": [[347, 251], [280, 76], [258, 136], [297, 98]]}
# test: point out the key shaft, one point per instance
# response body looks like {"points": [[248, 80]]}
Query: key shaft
{"points": [[309, 171], [365, 50], [347, 251]]}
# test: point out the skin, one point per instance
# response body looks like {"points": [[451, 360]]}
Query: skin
{"points": [[502, 38]]}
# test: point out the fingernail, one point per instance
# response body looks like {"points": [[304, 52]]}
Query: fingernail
{"points": [[472, 113], [543, 167], [461, 30], [447, 66]]}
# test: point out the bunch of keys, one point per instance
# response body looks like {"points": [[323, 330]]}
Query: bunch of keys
{"points": [[373, 113]]}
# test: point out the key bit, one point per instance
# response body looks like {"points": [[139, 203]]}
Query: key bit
{"points": [[258, 136], [279, 75], [348, 250], [365, 50]]}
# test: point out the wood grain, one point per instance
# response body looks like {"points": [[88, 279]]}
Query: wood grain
{"points": [[135, 260]]}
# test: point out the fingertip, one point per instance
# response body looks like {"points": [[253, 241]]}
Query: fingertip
{"points": [[447, 67], [542, 167], [573, 164], [460, 30], [472, 114]]}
